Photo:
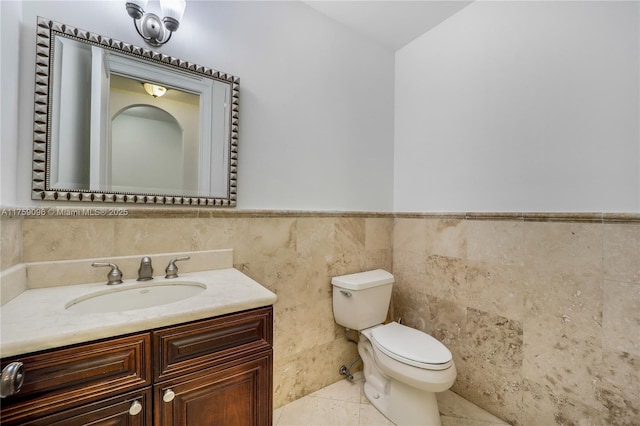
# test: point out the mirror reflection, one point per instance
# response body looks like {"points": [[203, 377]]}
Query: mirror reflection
{"points": [[130, 125], [138, 130]]}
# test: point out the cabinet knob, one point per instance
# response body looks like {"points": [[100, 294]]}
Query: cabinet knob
{"points": [[135, 408], [168, 395], [11, 379]]}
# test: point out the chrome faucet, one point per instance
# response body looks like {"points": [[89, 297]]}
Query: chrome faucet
{"points": [[145, 272]]}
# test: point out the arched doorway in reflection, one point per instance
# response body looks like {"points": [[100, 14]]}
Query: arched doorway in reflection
{"points": [[146, 151]]}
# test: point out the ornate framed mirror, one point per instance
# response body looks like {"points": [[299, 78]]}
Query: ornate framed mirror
{"points": [[117, 123]]}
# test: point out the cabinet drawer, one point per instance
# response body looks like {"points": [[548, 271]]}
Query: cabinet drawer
{"points": [[66, 378], [112, 411], [191, 347]]}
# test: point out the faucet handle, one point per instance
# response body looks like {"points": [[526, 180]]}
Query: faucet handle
{"points": [[172, 269], [115, 274]]}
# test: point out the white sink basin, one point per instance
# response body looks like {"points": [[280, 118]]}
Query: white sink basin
{"points": [[133, 297]]}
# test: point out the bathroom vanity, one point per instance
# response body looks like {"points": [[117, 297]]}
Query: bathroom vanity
{"points": [[216, 370], [207, 359]]}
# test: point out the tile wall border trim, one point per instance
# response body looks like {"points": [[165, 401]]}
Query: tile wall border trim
{"points": [[530, 217], [189, 213]]}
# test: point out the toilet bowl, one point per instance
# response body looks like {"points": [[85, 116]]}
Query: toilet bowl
{"points": [[430, 365], [403, 367], [400, 387]]}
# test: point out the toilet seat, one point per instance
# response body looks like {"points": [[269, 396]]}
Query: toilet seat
{"points": [[411, 346]]}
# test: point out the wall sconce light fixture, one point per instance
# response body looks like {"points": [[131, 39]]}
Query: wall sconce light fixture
{"points": [[152, 29]]}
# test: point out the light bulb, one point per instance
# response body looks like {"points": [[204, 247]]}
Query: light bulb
{"points": [[172, 11], [154, 90]]}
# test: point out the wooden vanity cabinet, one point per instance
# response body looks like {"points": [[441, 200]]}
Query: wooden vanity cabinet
{"points": [[204, 373]]}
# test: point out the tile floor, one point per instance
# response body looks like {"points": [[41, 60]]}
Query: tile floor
{"points": [[344, 403]]}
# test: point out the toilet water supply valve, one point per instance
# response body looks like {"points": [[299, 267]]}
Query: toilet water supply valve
{"points": [[346, 371], [12, 379]]}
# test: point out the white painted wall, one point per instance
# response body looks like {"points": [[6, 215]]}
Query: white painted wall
{"points": [[506, 106], [9, 72], [316, 102], [521, 106]]}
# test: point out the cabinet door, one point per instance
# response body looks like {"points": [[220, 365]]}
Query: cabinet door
{"points": [[231, 395], [132, 409]]}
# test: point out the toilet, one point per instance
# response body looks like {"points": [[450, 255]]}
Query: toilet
{"points": [[404, 368]]}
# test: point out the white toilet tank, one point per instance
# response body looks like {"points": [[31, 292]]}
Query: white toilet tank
{"points": [[362, 300]]}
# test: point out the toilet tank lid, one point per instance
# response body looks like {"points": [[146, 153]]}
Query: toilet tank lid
{"points": [[362, 280]]}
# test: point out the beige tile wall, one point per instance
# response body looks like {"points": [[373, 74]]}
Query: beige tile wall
{"points": [[293, 255], [10, 241], [542, 317]]}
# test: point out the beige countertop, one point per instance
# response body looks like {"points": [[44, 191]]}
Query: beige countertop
{"points": [[37, 319]]}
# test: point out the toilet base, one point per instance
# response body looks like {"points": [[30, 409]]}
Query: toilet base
{"points": [[380, 401], [402, 403], [404, 406]]}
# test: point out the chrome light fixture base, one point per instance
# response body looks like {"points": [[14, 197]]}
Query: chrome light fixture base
{"points": [[154, 30]]}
